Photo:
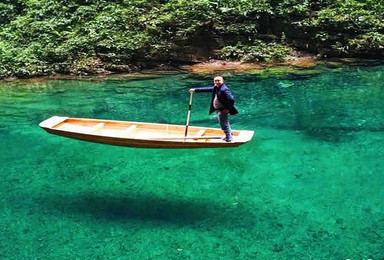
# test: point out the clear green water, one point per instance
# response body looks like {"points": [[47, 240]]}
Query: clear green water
{"points": [[308, 186]]}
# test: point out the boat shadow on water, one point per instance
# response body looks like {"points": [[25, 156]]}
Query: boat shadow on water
{"points": [[149, 209]]}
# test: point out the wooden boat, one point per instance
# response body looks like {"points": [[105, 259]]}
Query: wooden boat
{"points": [[145, 135]]}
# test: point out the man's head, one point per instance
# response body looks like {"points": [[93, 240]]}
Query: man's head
{"points": [[218, 81]]}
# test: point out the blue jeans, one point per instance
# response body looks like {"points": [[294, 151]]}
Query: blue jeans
{"points": [[224, 123]]}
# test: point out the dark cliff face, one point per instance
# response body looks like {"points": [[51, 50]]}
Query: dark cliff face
{"points": [[343, 41], [333, 40]]}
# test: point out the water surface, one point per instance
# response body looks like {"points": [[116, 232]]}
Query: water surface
{"points": [[308, 186]]}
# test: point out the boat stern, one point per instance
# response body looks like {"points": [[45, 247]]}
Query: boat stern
{"points": [[52, 121]]}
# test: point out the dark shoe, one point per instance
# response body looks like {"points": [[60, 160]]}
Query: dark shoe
{"points": [[229, 139]]}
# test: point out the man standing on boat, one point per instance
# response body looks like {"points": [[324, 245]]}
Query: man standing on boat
{"points": [[222, 102]]}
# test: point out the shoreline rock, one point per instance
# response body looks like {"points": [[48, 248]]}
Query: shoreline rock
{"points": [[238, 66]]}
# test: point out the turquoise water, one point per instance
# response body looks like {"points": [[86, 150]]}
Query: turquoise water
{"points": [[308, 186]]}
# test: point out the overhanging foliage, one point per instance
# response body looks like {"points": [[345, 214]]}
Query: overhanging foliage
{"points": [[40, 37]]}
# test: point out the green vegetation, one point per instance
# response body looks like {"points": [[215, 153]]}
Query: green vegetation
{"points": [[42, 37]]}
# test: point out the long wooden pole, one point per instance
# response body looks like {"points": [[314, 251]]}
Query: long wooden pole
{"points": [[189, 114], [186, 138]]}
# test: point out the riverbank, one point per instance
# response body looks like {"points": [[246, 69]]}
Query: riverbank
{"points": [[294, 64]]}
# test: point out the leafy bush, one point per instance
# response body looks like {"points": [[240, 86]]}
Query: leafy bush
{"points": [[258, 51], [371, 42]]}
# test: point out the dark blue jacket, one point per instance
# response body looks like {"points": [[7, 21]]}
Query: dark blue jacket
{"points": [[224, 95]]}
